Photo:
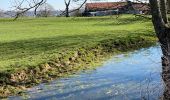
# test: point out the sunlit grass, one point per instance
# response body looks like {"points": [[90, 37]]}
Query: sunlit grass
{"points": [[29, 42]]}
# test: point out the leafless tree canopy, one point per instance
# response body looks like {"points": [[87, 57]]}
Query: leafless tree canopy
{"points": [[22, 6], [45, 10], [2, 13], [67, 5]]}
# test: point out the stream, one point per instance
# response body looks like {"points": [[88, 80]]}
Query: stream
{"points": [[129, 76]]}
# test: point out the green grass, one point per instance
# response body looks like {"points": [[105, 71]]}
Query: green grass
{"points": [[30, 42]]}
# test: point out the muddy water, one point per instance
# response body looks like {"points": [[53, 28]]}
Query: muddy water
{"points": [[133, 75]]}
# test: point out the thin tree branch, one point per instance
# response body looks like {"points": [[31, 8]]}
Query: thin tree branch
{"points": [[163, 9], [64, 12], [23, 10]]}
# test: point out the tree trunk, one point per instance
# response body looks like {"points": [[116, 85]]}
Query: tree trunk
{"points": [[165, 45], [166, 76], [163, 33], [163, 8], [67, 4], [168, 8], [67, 11]]}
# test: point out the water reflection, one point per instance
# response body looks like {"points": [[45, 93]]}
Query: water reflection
{"points": [[135, 75]]}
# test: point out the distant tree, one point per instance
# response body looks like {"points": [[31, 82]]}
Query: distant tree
{"points": [[39, 4], [2, 13], [67, 5], [77, 13], [22, 6], [45, 10]]}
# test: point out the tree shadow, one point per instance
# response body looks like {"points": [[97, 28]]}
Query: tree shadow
{"points": [[123, 21], [22, 48]]}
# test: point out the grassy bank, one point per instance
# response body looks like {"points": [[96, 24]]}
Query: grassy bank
{"points": [[37, 50]]}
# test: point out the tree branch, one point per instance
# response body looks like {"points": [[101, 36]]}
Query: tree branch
{"points": [[159, 25], [64, 12], [163, 9], [23, 10]]}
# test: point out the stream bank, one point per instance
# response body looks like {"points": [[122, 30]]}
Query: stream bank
{"points": [[128, 76], [14, 82]]}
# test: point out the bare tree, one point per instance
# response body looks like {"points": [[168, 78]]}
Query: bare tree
{"points": [[67, 5], [35, 4], [45, 10], [162, 29], [2, 13], [19, 6], [39, 4]]}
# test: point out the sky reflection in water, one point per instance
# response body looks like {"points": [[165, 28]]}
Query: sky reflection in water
{"points": [[134, 75]]}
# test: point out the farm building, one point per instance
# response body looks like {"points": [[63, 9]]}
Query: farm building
{"points": [[111, 8]]}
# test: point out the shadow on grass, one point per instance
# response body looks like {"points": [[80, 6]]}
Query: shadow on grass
{"points": [[37, 50], [123, 21], [23, 48], [35, 46]]}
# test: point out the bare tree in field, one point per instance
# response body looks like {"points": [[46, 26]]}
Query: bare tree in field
{"points": [[67, 5], [45, 10], [35, 4], [1, 13], [40, 3], [22, 6], [162, 29]]}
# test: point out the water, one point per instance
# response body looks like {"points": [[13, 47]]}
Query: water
{"points": [[134, 75]]}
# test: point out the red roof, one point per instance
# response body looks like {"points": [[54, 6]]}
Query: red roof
{"points": [[113, 5], [140, 6], [105, 5]]}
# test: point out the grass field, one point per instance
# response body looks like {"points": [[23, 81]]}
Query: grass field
{"points": [[30, 42], [34, 50]]}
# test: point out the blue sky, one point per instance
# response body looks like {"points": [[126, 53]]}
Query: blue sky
{"points": [[57, 4]]}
